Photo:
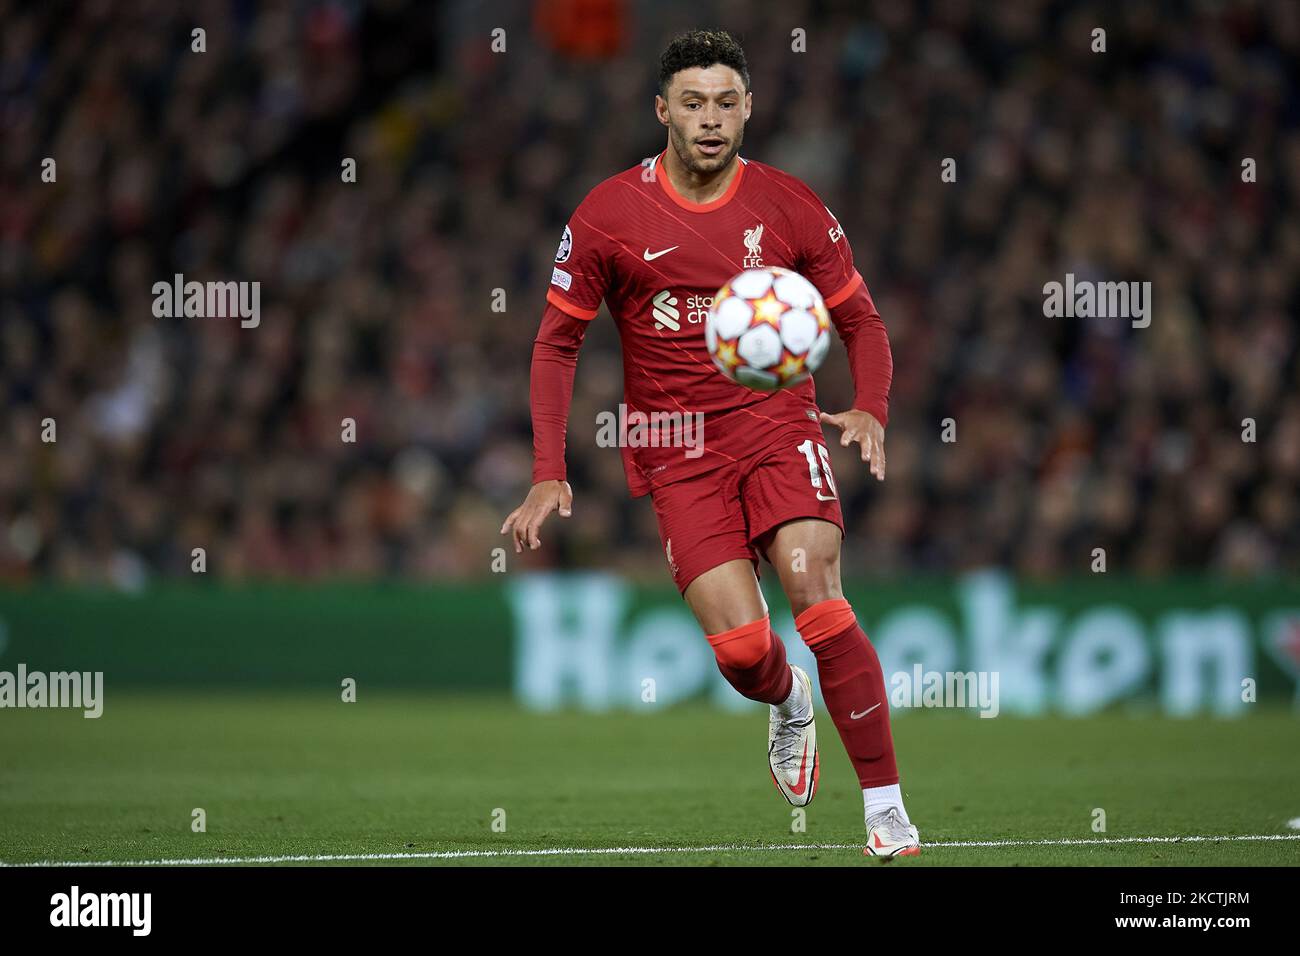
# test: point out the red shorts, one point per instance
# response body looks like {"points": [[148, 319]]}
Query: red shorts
{"points": [[718, 516]]}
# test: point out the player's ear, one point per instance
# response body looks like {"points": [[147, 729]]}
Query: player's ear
{"points": [[661, 109], [749, 104]]}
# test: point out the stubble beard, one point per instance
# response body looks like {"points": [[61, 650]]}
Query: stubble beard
{"points": [[686, 153]]}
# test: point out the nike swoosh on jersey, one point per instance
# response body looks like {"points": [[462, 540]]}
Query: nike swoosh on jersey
{"points": [[856, 716], [648, 255]]}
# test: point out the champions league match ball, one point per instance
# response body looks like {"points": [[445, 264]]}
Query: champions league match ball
{"points": [[768, 329]]}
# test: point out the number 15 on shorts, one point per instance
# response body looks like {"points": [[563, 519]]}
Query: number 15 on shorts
{"points": [[818, 469]]}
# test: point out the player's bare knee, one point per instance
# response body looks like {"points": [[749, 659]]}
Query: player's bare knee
{"points": [[819, 581]]}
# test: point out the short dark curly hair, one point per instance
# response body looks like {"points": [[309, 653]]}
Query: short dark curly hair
{"points": [[701, 48]]}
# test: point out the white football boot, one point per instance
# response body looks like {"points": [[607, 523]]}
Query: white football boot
{"points": [[888, 836], [792, 748]]}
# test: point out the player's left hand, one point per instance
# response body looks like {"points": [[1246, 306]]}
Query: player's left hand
{"points": [[859, 426]]}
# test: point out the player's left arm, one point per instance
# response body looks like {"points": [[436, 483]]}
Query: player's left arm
{"points": [[828, 263], [872, 365]]}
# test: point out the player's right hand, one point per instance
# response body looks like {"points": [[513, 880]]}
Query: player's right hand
{"points": [[525, 521]]}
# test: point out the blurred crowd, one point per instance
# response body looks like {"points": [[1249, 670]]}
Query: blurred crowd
{"points": [[377, 296]]}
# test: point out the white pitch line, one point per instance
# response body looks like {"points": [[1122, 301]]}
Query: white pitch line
{"points": [[1111, 840], [637, 850]]}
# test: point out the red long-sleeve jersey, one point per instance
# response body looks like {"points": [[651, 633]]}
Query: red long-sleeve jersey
{"points": [[657, 259]]}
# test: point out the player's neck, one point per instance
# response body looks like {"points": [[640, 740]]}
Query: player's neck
{"points": [[699, 188]]}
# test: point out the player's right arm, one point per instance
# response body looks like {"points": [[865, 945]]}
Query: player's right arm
{"points": [[550, 391], [578, 284]]}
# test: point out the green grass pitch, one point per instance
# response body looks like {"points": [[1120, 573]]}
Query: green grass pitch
{"points": [[297, 775]]}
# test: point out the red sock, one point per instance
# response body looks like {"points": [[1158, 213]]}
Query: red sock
{"points": [[752, 659], [852, 683]]}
